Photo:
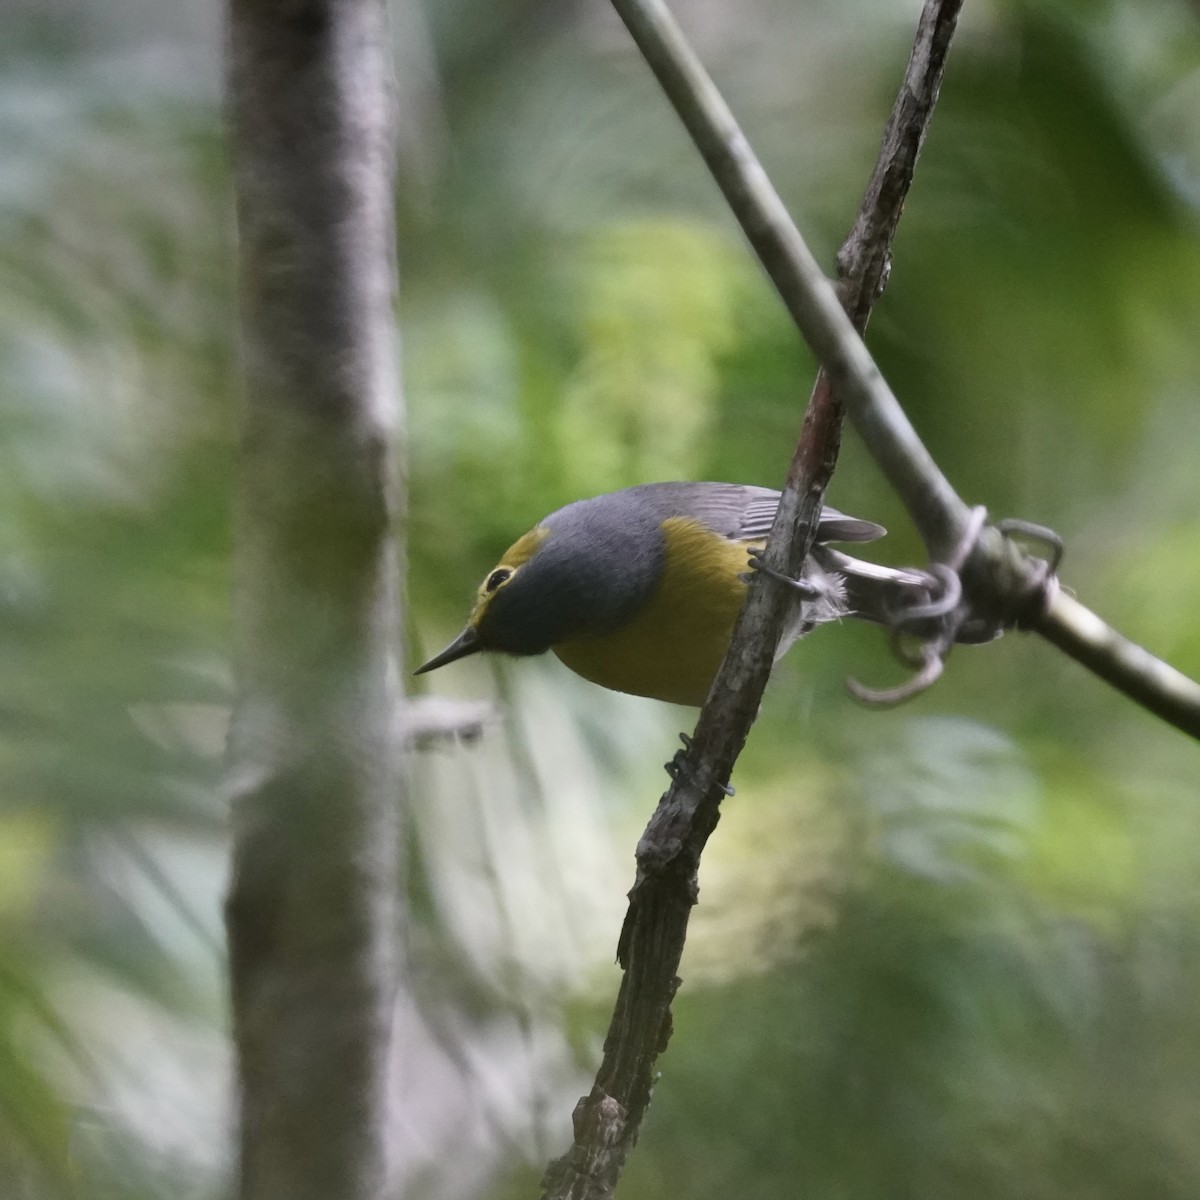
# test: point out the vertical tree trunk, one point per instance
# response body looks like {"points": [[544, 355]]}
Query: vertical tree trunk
{"points": [[312, 903]]}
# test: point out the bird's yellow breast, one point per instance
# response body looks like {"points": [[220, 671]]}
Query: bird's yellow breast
{"points": [[673, 646]]}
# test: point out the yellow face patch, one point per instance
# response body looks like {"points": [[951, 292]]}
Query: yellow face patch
{"points": [[511, 561]]}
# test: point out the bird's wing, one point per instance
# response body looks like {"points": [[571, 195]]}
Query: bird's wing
{"points": [[744, 512], [838, 527]]}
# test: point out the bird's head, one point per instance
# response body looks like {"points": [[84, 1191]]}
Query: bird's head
{"points": [[583, 570]]}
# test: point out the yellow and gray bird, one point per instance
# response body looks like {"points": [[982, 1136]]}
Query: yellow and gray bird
{"points": [[638, 590]]}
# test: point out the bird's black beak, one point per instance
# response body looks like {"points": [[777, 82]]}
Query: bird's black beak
{"points": [[466, 643]]}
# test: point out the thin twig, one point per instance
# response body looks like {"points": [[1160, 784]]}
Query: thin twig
{"points": [[423, 722], [809, 296], [1003, 585], [608, 1119], [1154, 684]]}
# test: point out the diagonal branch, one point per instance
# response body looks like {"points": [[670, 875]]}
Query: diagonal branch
{"points": [[1003, 584], [806, 293], [1154, 684], [607, 1121]]}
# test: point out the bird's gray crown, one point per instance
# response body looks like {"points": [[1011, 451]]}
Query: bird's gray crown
{"points": [[598, 564]]}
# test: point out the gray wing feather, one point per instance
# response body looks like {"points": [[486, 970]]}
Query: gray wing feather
{"points": [[745, 512], [734, 510]]}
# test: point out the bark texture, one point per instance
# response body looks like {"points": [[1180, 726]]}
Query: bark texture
{"points": [[313, 770]]}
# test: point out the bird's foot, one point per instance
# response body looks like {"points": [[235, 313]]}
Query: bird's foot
{"points": [[680, 770], [810, 589]]}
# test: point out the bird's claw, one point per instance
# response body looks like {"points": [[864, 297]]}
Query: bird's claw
{"points": [[808, 588], [680, 770]]}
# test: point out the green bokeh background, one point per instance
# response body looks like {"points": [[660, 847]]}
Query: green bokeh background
{"points": [[949, 950]]}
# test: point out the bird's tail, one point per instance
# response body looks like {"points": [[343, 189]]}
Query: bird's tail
{"points": [[880, 594], [873, 592]]}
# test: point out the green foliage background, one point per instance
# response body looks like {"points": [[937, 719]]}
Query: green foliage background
{"points": [[948, 950]]}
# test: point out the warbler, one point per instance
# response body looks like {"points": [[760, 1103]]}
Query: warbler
{"points": [[638, 590]]}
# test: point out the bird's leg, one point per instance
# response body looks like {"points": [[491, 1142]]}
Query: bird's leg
{"points": [[810, 589], [679, 768]]}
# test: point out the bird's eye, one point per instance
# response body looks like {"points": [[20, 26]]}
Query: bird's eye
{"points": [[496, 578]]}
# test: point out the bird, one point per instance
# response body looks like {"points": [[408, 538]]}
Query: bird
{"points": [[638, 590]]}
